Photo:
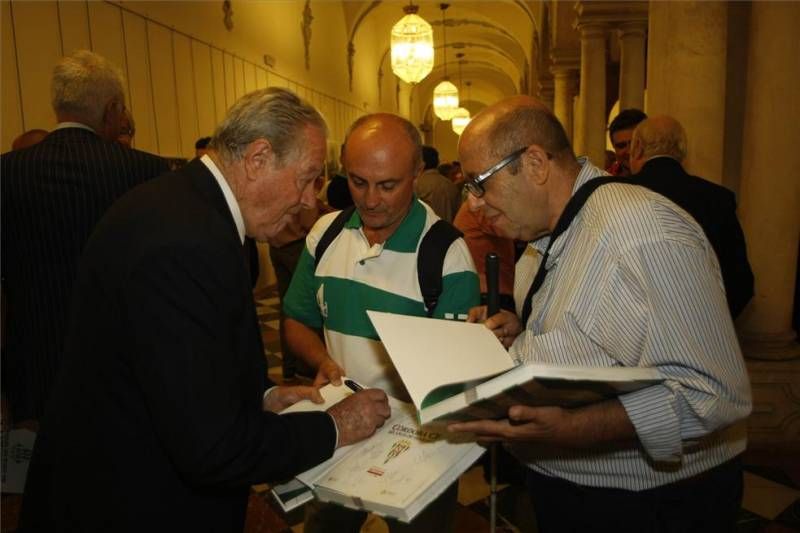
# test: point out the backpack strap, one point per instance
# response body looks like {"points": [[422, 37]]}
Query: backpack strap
{"points": [[430, 261], [331, 233], [571, 210]]}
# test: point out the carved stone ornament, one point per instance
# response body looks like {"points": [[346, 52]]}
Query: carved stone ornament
{"points": [[305, 27], [351, 52], [227, 8]]}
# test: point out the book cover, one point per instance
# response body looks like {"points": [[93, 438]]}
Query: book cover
{"points": [[399, 470], [456, 371]]}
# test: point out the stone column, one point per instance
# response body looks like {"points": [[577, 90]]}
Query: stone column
{"points": [[564, 94], [686, 77], [592, 109], [577, 129], [546, 92], [769, 194], [632, 65]]}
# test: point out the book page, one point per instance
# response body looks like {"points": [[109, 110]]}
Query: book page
{"points": [[397, 464], [429, 353], [332, 395]]}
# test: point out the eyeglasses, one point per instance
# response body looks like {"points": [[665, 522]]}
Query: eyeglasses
{"points": [[475, 185]]}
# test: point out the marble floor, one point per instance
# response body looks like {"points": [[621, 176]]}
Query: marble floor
{"points": [[771, 502]]}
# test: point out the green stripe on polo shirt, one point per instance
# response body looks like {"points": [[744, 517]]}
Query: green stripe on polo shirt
{"points": [[407, 235], [346, 301], [460, 292]]}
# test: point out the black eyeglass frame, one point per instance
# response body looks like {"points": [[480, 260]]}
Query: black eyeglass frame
{"points": [[475, 185]]}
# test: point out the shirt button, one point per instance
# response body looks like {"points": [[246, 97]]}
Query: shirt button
{"points": [[361, 262]]}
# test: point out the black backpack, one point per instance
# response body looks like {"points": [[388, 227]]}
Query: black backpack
{"points": [[430, 259]]}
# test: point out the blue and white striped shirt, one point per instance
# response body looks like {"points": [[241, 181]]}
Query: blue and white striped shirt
{"points": [[635, 282]]}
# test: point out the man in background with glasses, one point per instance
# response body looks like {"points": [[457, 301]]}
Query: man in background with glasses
{"points": [[631, 280]]}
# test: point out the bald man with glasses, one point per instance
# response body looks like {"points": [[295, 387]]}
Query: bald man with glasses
{"points": [[627, 278]]}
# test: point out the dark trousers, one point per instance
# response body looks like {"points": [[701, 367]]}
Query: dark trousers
{"points": [[708, 502]]}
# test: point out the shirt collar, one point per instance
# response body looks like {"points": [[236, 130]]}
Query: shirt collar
{"points": [[588, 171], [227, 192], [407, 234], [62, 125]]}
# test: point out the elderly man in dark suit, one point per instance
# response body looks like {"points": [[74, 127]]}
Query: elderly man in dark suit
{"points": [[658, 147], [163, 415], [53, 194]]}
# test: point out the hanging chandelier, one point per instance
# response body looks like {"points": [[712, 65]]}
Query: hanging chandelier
{"points": [[461, 116], [445, 95], [412, 46], [460, 119]]}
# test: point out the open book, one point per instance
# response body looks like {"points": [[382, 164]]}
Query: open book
{"points": [[460, 371], [397, 472]]}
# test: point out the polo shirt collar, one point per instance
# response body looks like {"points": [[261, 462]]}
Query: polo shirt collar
{"points": [[406, 237]]}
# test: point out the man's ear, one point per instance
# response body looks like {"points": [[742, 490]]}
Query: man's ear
{"points": [[636, 151], [419, 170], [537, 163], [258, 155], [111, 119]]}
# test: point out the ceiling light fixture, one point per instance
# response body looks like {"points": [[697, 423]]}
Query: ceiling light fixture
{"points": [[412, 46], [445, 95]]}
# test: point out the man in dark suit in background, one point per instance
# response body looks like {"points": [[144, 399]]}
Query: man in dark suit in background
{"points": [[163, 415], [53, 194], [658, 147]]}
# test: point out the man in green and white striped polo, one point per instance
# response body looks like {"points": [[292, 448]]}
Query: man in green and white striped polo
{"points": [[372, 264]]}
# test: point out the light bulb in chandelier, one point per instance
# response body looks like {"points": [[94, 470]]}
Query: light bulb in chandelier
{"points": [[412, 47]]}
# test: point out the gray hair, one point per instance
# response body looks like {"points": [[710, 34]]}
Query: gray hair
{"points": [[274, 114], [660, 135], [410, 130], [83, 84]]}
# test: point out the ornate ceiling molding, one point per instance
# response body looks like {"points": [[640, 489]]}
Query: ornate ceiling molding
{"points": [[351, 47]]}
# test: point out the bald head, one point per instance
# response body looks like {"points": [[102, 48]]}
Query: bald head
{"points": [[384, 131], [382, 155], [514, 123], [660, 135]]}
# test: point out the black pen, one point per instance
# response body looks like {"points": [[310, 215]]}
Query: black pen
{"points": [[352, 385]]}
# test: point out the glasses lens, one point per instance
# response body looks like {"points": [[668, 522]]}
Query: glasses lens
{"points": [[474, 189]]}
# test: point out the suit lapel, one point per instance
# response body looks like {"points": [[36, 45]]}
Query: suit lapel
{"points": [[203, 181]]}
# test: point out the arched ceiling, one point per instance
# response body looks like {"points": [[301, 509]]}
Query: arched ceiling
{"points": [[498, 40]]}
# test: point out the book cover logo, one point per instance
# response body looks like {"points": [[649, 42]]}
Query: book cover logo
{"points": [[397, 448]]}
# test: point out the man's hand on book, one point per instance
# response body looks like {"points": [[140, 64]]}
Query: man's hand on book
{"points": [[359, 415], [328, 372], [505, 325], [279, 398], [598, 424]]}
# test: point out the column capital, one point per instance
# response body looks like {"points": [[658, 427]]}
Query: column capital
{"points": [[563, 72], [563, 59], [611, 13], [631, 28], [591, 29], [546, 86]]}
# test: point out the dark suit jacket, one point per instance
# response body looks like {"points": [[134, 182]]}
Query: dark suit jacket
{"points": [[156, 421], [714, 209], [53, 194]]}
